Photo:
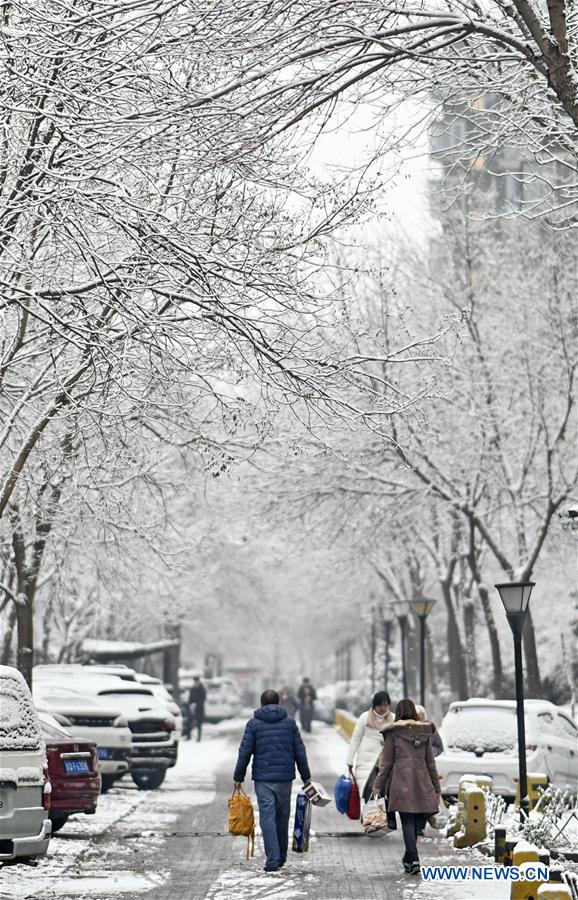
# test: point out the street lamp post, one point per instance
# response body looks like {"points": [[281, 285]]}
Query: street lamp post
{"points": [[387, 617], [401, 610], [422, 606], [373, 649], [516, 597]]}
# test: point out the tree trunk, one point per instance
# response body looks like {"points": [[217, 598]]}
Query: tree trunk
{"points": [[498, 673], [25, 651], [533, 680], [8, 637], [472, 656], [458, 673]]}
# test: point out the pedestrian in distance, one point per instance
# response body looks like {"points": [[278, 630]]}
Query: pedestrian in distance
{"points": [[409, 776], [272, 738], [197, 697], [307, 696], [288, 701]]}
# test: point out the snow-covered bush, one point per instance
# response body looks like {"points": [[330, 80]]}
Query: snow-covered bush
{"points": [[553, 823]]}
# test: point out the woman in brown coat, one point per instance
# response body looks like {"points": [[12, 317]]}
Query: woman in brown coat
{"points": [[408, 772]]}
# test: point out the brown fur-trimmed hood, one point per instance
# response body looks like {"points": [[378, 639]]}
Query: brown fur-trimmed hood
{"points": [[410, 729]]}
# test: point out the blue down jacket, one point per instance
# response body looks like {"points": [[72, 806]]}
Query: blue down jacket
{"points": [[272, 738]]}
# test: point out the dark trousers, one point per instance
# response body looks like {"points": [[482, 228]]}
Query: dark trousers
{"points": [[199, 725], [410, 823], [306, 715]]}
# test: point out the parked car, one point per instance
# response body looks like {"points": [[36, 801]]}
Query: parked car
{"points": [[73, 772], [25, 825], [163, 694], [52, 672], [480, 738], [223, 700], [86, 718], [124, 672], [154, 746], [154, 742]]}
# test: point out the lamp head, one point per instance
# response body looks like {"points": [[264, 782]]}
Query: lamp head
{"points": [[515, 596], [388, 614], [422, 606], [401, 608]]}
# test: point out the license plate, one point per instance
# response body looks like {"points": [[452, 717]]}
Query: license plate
{"points": [[102, 752], [75, 766]]}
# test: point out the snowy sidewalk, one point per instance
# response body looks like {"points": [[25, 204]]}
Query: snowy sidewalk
{"points": [[342, 863], [172, 844]]}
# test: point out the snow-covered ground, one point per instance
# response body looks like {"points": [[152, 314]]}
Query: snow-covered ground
{"points": [[110, 855], [74, 864]]}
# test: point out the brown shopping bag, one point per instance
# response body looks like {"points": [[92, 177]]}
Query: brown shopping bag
{"points": [[241, 818]]}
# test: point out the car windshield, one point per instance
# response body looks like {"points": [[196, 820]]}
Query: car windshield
{"points": [[65, 700], [50, 731], [133, 702], [480, 729]]}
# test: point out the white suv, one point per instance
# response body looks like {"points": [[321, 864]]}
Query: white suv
{"points": [[24, 790], [162, 693], [480, 738], [87, 718], [154, 745]]}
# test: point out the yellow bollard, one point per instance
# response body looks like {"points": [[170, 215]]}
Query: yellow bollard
{"points": [[345, 722], [554, 892], [537, 784], [525, 852], [525, 855], [481, 781], [473, 816]]}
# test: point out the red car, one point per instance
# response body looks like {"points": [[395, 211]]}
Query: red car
{"points": [[72, 770]]}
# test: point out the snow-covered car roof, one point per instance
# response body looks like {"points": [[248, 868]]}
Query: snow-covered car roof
{"points": [[90, 683], [501, 704], [64, 699]]}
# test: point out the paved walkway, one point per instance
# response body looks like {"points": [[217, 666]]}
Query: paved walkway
{"points": [[342, 863], [173, 844]]}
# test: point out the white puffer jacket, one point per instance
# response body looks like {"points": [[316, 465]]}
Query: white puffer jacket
{"points": [[365, 748]]}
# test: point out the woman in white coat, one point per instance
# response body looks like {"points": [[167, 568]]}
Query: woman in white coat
{"points": [[366, 744]]}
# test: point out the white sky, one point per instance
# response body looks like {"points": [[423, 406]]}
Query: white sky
{"points": [[398, 144]]}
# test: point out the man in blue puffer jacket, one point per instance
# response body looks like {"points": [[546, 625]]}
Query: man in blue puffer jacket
{"points": [[272, 738]]}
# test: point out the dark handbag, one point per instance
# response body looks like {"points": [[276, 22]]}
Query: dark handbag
{"points": [[354, 805]]}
